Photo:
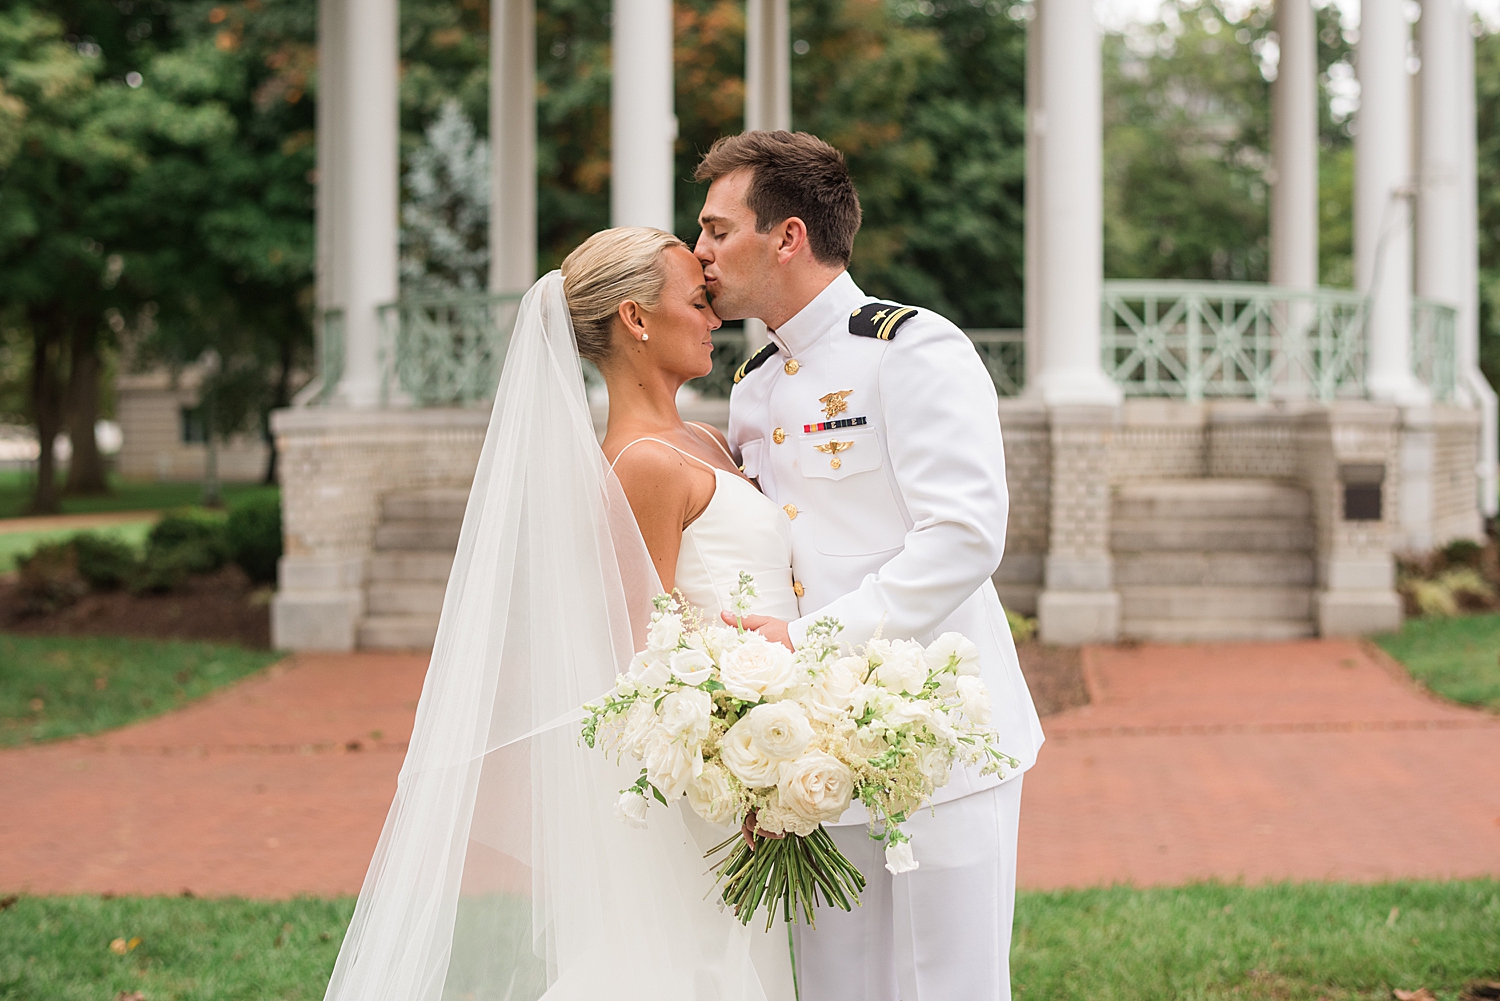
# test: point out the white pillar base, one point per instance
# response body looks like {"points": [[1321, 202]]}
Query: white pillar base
{"points": [[319, 604], [1358, 613], [1080, 386], [1069, 618]]}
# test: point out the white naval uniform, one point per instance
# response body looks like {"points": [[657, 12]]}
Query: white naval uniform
{"points": [[901, 533]]}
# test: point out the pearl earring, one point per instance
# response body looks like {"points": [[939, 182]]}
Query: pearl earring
{"points": [[645, 338]]}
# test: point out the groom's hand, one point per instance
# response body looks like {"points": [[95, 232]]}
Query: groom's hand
{"points": [[774, 630]]}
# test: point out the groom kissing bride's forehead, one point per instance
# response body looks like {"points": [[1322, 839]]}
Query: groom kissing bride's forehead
{"points": [[875, 427]]}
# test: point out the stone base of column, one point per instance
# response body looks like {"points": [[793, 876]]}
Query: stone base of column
{"points": [[1358, 613], [319, 603], [1068, 618]]}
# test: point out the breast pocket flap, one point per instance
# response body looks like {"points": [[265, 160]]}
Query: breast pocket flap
{"points": [[839, 454]]}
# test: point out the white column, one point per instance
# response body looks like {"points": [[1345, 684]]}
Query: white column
{"points": [[372, 194], [512, 145], [1072, 210], [1294, 149], [1036, 136], [328, 226], [768, 90], [1382, 200], [642, 124]]}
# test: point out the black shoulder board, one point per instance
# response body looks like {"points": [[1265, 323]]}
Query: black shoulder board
{"points": [[879, 319], [754, 362]]}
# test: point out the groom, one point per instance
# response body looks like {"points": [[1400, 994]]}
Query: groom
{"points": [[876, 427]]}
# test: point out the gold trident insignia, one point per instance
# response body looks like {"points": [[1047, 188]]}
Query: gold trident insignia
{"points": [[835, 403], [833, 448]]}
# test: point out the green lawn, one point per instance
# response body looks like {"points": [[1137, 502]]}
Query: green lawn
{"points": [[53, 687], [14, 545], [1457, 658], [1285, 942], [127, 495]]}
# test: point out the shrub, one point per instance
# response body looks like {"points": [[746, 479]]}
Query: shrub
{"points": [[49, 579], [255, 537], [182, 543], [104, 562], [1021, 628], [1462, 553]]}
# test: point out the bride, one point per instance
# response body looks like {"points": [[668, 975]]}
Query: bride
{"points": [[503, 872]]}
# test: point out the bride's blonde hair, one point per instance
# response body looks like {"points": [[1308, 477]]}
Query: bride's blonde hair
{"points": [[608, 268]]}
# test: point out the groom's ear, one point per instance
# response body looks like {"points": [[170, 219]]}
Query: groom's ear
{"points": [[791, 240]]}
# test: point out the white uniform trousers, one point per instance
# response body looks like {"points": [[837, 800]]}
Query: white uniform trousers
{"points": [[938, 933]]}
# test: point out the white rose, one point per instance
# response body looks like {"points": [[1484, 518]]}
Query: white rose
{"points": [[719, 640], [665, 632], [649, 670], [903, 668], [640, 722], [670, 765], [767, 735], [867, 744], [870, 699], [974, 700], [631, 808], [834, 686], [907, 711], [898, 858], [953, 650], [686, 713], [711, 796], [757, 669], [816, 787], [935, 766]]}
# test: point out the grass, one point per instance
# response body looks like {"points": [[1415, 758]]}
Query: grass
{"points": [[125, 495], [53, 687], [1286, 942], [1458, 658], [14, 545]]}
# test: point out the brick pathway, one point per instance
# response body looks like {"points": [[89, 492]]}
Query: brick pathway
{"points": [[1264, 761]]}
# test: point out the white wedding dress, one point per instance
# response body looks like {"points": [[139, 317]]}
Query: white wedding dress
{"points": [[503, 872]]}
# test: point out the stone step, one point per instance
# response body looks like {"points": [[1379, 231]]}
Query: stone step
{"points": [[404, 599], [410, 534], [410, 566], [1210, 498], [1213, 535], [1215, 569], [397, 632], [432, 504], [1216, 603], [1203, 630]]}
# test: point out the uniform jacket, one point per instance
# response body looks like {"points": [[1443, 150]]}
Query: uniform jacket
{"points": [[900, 525]]}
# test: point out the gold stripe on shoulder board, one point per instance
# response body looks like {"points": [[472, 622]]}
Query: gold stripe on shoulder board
{"points": [[890, 322]]}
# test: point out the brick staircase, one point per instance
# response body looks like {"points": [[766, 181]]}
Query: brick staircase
{"points": [[1213, 559], [414, 546]]}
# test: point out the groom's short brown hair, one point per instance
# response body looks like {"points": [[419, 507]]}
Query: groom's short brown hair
{"points": [[792, 174]]}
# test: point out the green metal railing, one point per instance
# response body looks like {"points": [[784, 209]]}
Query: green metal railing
{"points": [[1198, 340], [1183, 340], [444, 350]]}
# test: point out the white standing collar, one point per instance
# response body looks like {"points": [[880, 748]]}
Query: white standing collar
{"points": [[828, 309]]}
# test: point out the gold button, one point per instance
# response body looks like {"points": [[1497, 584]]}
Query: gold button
{"points": [[778, 436], [791, 366], [835, 462], [797, 588], [791, 510]]}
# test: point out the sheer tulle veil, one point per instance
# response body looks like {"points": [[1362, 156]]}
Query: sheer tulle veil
{"points": [[502, 873]]}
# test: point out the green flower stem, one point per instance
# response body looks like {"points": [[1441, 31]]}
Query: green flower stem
{"points": [[793, 875]]}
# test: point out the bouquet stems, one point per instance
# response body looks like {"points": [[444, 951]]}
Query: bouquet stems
{"points": [[790, 874]]}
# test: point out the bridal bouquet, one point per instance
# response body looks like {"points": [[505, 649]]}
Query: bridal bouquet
{"points": [[779, 743]]}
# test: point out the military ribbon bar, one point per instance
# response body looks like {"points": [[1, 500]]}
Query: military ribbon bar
{"points": [[847, 422]]}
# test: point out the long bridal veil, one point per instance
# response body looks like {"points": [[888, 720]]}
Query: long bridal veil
{"points": [[501, 873]]}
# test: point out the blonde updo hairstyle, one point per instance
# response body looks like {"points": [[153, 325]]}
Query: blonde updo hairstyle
{"points": [[608, 268]]}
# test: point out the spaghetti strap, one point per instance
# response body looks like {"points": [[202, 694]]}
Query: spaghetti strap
{"points": [[689, 455], [715, 439]]}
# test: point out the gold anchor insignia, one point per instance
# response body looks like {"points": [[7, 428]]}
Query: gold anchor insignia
{"points": [[835, 403], [833, 448]]}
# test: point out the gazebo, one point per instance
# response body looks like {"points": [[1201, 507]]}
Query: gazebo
{"points": [[1186, 459]]}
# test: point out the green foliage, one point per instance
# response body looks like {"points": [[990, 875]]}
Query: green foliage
{"points": [[1487, 87], [105, 561], [183, 543], [1022, 628], [124, 495], [58, 948], [49, 579], [1459, 658], [53, 687], [1288, 941], [254, 535]]}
